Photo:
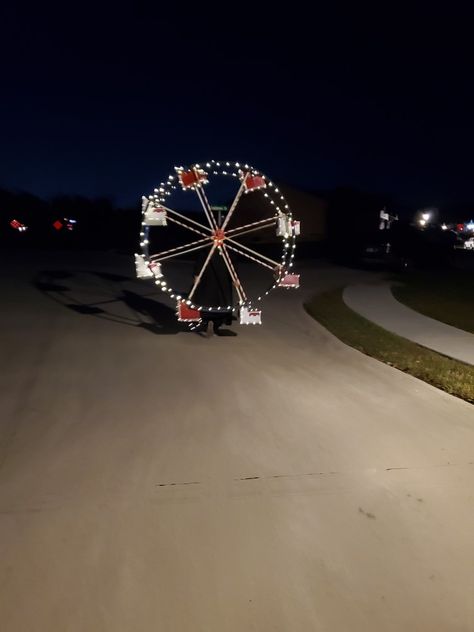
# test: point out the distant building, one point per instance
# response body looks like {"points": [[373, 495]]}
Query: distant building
{"points": [[308, 208]]}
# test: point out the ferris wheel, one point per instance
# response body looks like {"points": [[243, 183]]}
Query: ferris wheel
{"points": [[215, 236]]}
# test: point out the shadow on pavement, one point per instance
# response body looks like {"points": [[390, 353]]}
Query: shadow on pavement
{"points": [[163, 317], [112, 300]]}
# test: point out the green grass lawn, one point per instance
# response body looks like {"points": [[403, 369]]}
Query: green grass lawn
{"points": [[448, 297], [449, 375]]}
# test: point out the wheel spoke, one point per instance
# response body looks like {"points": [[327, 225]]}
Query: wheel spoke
{"points": [[183, 252], [252, 252], [235, 279], [187, 219], [199, 276], [206, 206], [184, 247], [235, 232], [194, 230], [244, 254], [241, 232], [234, 203]]}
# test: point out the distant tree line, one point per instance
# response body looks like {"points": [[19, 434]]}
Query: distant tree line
{"points": [[352, 223]]}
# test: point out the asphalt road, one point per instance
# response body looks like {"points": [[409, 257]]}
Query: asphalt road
{"points": [[152, 480]]}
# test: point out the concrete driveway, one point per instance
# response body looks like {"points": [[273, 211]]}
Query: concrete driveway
{"points": [[277, 480]]}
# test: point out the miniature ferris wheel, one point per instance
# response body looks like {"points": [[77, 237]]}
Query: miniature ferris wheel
{"points": [[217, 236]]}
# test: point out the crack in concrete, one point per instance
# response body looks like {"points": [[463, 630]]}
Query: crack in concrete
{"points": [[179, 484]]}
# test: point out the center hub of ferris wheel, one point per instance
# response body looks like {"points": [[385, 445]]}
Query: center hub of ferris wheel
{"points": [[218, 236]]}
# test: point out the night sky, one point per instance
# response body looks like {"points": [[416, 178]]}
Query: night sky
{"points": [[97, 102]]}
